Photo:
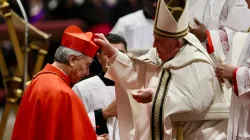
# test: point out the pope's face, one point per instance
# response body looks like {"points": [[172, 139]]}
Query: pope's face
{"points": [[79, 68], [248, 3], [166, 48]]}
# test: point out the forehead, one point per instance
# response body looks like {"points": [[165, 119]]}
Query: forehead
{"points": [[119, 46], [87, 59]]}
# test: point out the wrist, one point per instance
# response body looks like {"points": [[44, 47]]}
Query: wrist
{"points": [[105, 114], [111, 52], [234, 73]]}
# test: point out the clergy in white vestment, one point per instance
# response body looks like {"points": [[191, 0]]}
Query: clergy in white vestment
{"points": [[239, 120], [137, 27], [217, 33], [98, 94], [238, 73], [187, 80], [216, 14]]}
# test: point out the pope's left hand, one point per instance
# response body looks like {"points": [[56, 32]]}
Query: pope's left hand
{"points": [[144, 95], [225, 71]]}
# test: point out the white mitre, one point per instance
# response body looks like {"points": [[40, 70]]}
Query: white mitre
{"points": [[171, 19]]}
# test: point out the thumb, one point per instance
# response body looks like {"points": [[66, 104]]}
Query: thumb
{"points": [[136, 95], [140, 91], [197, 22]]}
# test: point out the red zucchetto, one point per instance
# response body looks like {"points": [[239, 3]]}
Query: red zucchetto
{"points": [[74, 38]]}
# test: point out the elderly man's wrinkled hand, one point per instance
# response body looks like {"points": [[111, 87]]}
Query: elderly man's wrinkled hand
{"points": [[144, 95], [104, 45], [225, 71]]}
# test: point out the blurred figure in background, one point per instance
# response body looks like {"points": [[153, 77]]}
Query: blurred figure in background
{"points": [[137, 27]]}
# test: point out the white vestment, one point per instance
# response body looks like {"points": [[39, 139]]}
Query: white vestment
{"points": [[190, 86], [232, 19], [96, 95], [215, 14], [239, 120], [137, 31]]}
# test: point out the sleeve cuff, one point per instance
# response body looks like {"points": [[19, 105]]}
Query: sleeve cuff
{"points": [[235, 82], [101, 124], [112, 59], [210, 47]]}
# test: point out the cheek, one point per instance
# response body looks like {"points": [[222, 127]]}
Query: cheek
{"points": [[80, 70], [83, 69]]}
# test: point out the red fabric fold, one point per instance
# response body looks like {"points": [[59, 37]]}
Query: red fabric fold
{"points": [[210, 47], [235, 82]]}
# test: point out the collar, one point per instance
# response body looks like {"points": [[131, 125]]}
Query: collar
{"points": [[52, 69], [106, 81]]}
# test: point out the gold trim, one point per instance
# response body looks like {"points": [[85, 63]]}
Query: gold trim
{"points": [[27, 83], [189, 62], [164, 33], [44, 52], [179, 133], [158, 106], [34, 46], [171, 35], [18, 93], [18, 79], [12, 100]]}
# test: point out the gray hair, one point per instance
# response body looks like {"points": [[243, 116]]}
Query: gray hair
{"points": [[63, 53]]}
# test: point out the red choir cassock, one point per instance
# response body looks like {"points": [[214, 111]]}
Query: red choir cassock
{"points": [[49, 109]]}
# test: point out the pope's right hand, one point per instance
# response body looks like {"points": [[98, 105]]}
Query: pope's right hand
{"points": [[104, 44]]}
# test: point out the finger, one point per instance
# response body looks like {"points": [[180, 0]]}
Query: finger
{"points": [[221, 80], [136, 96], [218, 72], [103, 135], [197, 22], [99, 41], [219, 68], [190, 28], [218, 76], [140, 91], [140, 100], [100, 35]]}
